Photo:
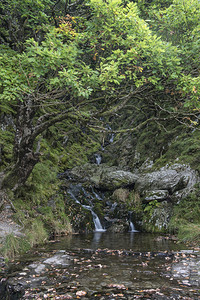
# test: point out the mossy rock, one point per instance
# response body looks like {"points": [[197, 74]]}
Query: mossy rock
{"points": [[157, 216]]}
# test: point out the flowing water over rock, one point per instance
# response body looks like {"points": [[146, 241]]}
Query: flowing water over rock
{"points": [[74, 192], [98, 158], [105, 266], [132, 227]]}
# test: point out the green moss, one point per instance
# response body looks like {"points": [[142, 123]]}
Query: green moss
{"points": [[189, 233], [187, 146], [67, 145], [41, 184], [51, 214], [78, 153], [150, 207], [134, 203], [186, 217], [98, 208], [6, 148]]}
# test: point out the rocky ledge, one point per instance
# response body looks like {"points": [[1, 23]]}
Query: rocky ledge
{"points": [[176, 180]]}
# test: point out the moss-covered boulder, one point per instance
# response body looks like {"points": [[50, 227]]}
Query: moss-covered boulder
{"points": [[103, 176], [116, 179], [157, 216]]}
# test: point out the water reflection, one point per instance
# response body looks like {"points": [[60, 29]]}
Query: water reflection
{"points": [[132, 235], [96, 239], [135, 241]]}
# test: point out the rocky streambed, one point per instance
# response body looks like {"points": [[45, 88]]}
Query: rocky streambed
{"points": [[104, 266]]}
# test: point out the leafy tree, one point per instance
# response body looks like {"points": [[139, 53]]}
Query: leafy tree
{"points": [[81, 69], [179, 24]]}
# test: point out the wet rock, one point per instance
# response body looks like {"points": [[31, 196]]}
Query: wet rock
{"points": [[15, 290], [187, 269], [37, 267], [58, 259], [118, 227], [168, 185]]}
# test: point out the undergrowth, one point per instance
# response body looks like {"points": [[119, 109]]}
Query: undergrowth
{"points": [[186, 217], [13, 246]]}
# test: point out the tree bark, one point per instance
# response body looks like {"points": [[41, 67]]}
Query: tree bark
{"points": [[24, 157]]}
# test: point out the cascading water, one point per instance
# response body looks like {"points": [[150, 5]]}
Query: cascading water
{"points": [[76, 189], [111, 135], [132, 227], [98, 158], [97, 223], [95, 194], [110, 140]]}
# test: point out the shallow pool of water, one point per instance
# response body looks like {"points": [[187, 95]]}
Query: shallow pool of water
{"points": [[106, 266], [128, 241]]}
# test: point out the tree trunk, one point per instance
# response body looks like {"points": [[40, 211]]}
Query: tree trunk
{"points": [[24, 157]]}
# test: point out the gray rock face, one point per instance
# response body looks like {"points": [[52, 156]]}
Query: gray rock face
{"points": [[103, 176], [116, 179], [172, 179], [152, 185], [164, 186], [161, 216], [159, 195], [60, 258], [90, 173]]}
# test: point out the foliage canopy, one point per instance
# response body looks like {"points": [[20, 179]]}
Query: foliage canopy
{"points": [[85, 59]]}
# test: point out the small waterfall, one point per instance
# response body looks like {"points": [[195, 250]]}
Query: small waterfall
{"points": [[111, 140], [97, 223], [95, 194], [132, 227], [111, 135], [98, 158], [73, 192]]}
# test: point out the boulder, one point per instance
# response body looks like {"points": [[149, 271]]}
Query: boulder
{"points": [[116, 179], [159, 218], [102, 176], [118, 227], [172, 179], [90, 173], [158, 195]]}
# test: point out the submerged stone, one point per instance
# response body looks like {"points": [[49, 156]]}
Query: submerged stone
{"points": [[37, 267], [58, 259]]}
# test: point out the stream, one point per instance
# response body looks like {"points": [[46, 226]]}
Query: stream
{"points": [[103, 265]]}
